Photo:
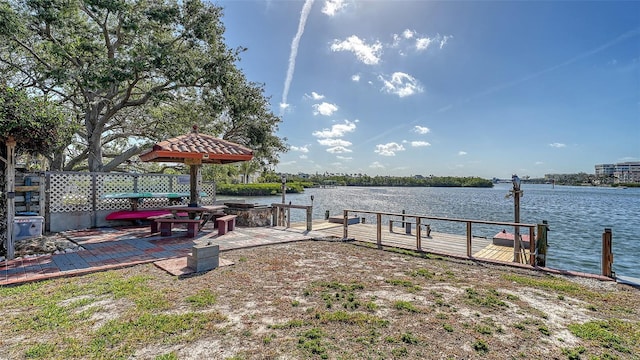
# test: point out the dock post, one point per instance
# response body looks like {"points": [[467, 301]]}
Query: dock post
{"points": [[379, 230], [532, 246], [289, 215], [469, 247], [541, 244], [309, 221], [607, 253], [345, 232], [403, 224], [418, 234], [326, 215], [274, 216]]}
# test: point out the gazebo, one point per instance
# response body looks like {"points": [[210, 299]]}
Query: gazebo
{"points": [[195, 149]]}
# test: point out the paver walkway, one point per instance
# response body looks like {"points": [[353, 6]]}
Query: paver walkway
{"points": [[112, 248]]}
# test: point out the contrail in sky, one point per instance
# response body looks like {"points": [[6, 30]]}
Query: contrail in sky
{"points": [[294, 53]]}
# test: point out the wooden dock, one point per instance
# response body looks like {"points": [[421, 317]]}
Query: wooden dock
{"points": [[437, 243]]}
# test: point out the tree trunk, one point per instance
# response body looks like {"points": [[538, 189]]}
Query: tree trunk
{"points": [[57, 162], [94, 132]]}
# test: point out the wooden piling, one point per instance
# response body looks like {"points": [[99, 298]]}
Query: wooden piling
{"points": [[345, 223], [541, 244], [607, 253], [309, 220], [379, 230], [469, 239]]}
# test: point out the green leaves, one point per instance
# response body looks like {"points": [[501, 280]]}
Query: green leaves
{"points": [[34, 123], [131, 72]]}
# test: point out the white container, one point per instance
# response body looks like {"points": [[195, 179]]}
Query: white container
{"points": [[26, 227]]}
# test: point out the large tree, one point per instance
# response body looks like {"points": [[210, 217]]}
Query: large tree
{"points": [[36, 127], [124, 66]]}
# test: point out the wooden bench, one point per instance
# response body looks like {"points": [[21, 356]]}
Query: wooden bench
{"points": [[193, 226], [407, 226], [154, 224], [226, 223]]}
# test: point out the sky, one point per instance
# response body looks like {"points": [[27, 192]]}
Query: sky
{"points": [[445, 88]]}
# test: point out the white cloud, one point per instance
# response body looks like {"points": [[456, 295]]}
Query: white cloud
{"points": [[334, 142], [303, 157], [462, 153], [314, 96], [396, 40], [344, 157], [412, 40], [368, 54], [419, 143], [332, 7], [389, 149], [421, 129], [408, 34], [302, 149], [355, 77], [338, 150], [539, 163], [336, 131], [557, 145], [400, 84], [304, 13], [423, 43], [376, 165], [325, 108], [444, 39]]}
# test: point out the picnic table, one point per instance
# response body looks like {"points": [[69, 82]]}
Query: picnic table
{"points": [[196, 218], [136, 198]]}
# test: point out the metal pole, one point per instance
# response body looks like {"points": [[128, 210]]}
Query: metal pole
{"points": [[516, 210], [516, 235]]}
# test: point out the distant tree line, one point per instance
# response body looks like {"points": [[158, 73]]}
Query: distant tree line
{"points": [[366, 180]]}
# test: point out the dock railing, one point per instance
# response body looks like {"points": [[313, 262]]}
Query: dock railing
{"points": [[418, 222], [279, 216]]}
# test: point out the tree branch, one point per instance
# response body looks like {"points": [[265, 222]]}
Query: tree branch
{"points": [[135, 150]]}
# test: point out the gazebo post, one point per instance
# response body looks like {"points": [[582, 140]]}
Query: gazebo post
{"points": [[195, 179]]}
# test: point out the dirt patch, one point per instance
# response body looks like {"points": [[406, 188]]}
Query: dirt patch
{"points": [[340, 300]]}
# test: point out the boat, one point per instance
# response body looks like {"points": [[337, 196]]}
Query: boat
{"points": [[503, 238]]}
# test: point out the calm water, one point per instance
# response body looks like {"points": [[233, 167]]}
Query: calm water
{"points": [[577, 216]]}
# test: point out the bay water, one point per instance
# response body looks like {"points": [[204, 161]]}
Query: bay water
{"points": [[577, 215]]}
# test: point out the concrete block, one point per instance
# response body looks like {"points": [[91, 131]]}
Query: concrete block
{"points": [[204, 257]]}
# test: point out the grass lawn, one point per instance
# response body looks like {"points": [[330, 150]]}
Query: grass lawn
{"points": [[322, 300]]}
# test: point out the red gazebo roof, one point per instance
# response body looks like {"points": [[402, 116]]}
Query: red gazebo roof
{"points": [[209, 149]]}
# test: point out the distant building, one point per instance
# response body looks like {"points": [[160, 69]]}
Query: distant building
{"points": [[605, 169], [626, 172]]}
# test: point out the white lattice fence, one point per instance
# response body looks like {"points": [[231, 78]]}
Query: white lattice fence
{"points": [[74, 191], [70, 191], [110, 184]]}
